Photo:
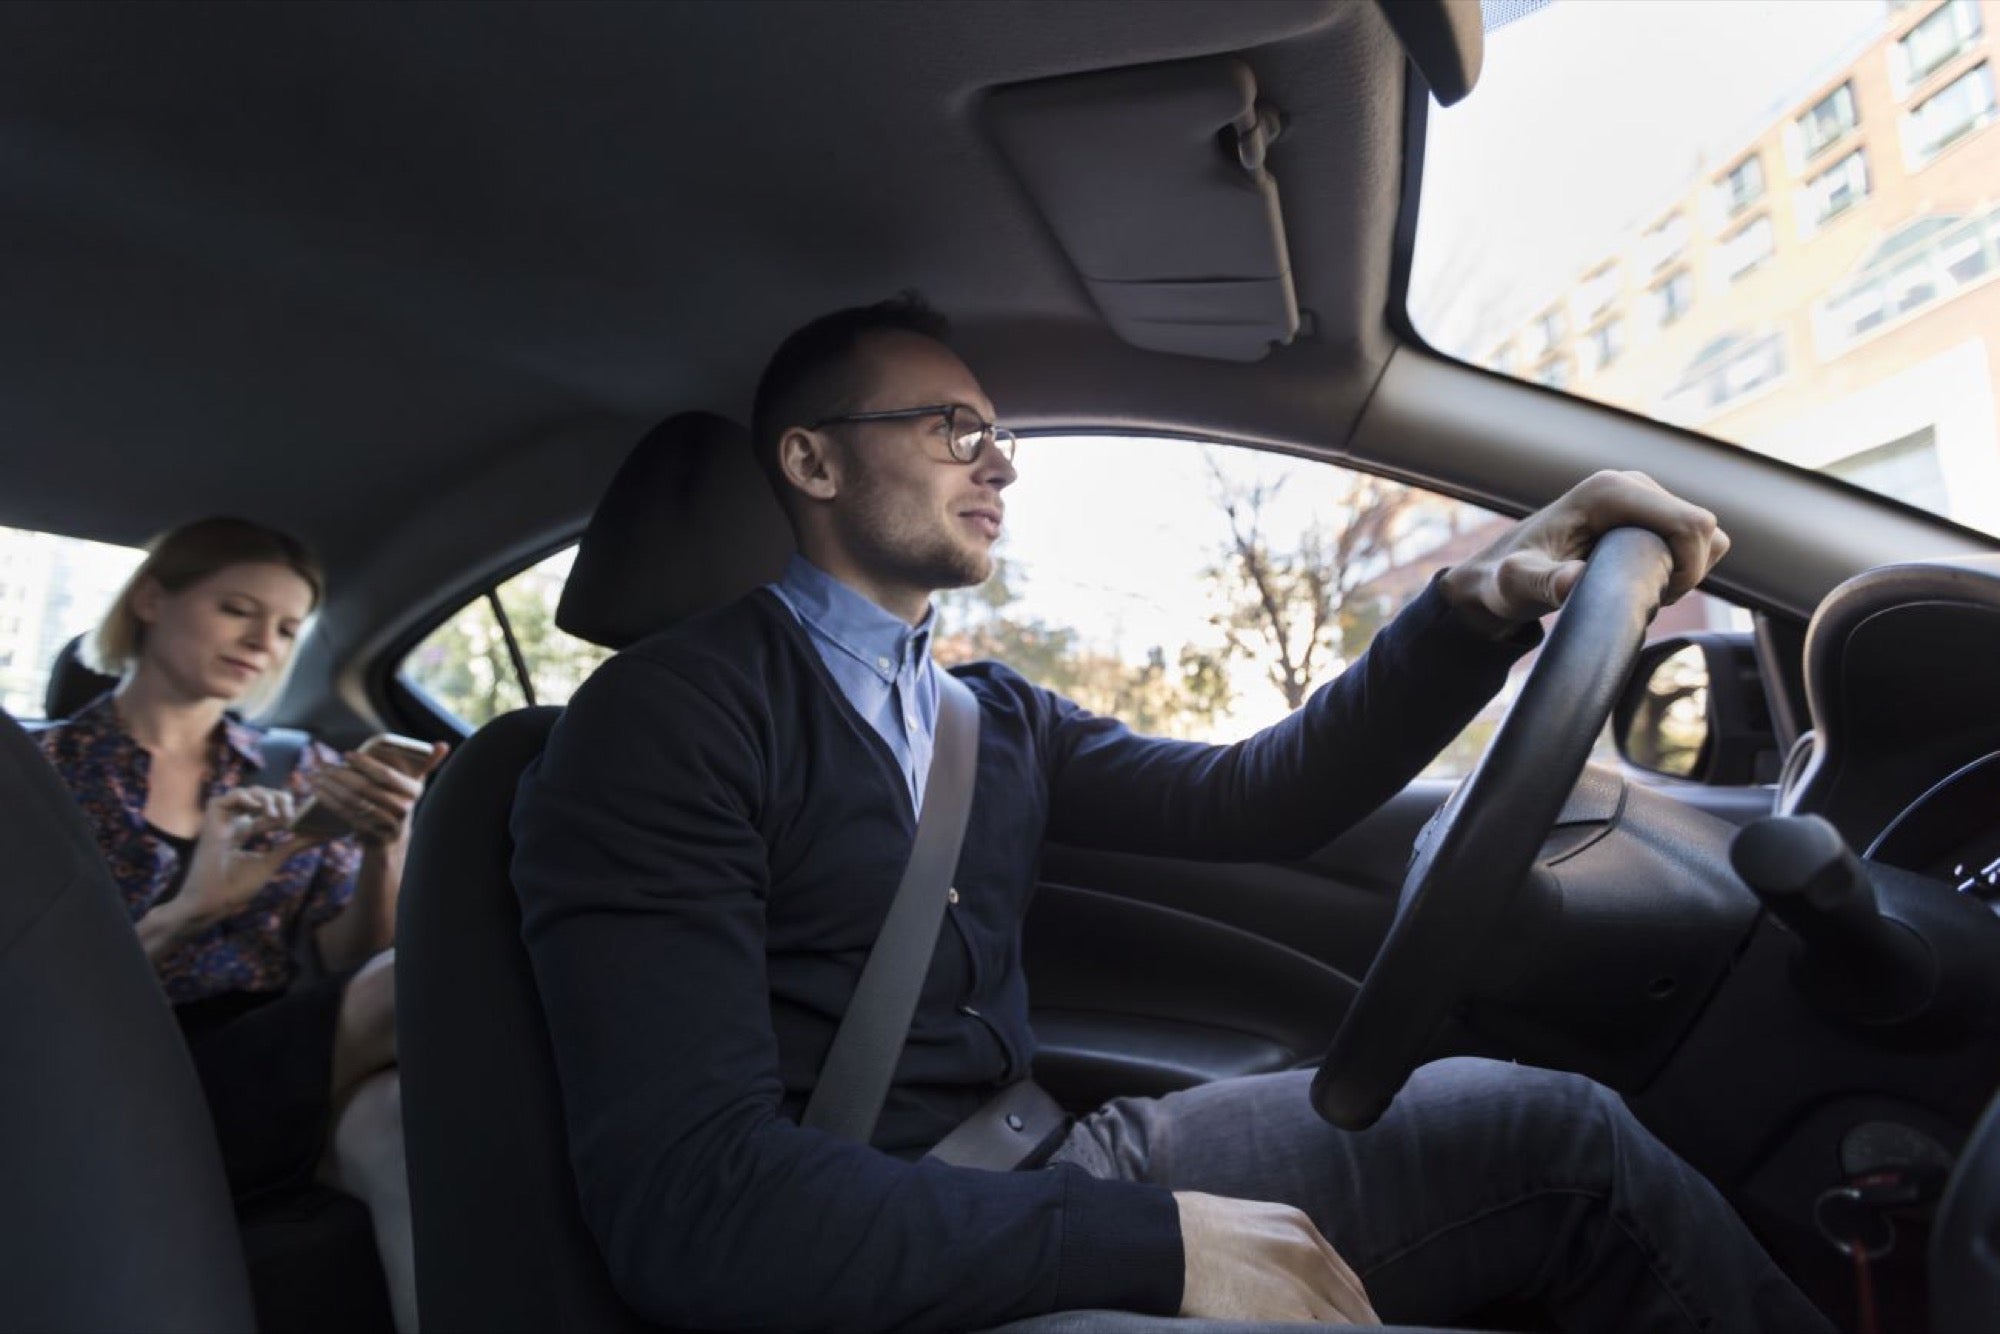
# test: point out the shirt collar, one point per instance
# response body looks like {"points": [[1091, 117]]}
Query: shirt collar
{"points": [[879, 641], [99, 720]]}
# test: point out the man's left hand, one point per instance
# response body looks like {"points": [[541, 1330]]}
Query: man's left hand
{"points": [[1532, 568]]}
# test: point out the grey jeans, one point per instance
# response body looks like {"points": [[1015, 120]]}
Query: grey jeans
{"points": [[1485, 1182]]}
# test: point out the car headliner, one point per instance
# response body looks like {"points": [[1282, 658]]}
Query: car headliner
{"points": [[324, 263], [410, 280]]}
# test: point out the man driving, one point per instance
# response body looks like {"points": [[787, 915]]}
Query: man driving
{"points": [[709, 845]]}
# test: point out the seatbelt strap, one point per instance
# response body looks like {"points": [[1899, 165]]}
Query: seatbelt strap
{"points": [[854, 1081]]}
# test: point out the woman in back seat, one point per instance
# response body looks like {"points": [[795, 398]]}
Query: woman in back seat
{"points": [[273, 948]]}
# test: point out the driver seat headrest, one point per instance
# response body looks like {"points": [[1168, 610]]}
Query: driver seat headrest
{"points": [[688, 524]]}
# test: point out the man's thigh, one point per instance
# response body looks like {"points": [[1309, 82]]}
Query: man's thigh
{"points": [[1443, 1206]]}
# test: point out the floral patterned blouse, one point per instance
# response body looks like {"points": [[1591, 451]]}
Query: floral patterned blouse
{"points": [[251, 950]]}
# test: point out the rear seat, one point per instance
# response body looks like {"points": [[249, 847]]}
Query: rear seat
{"points": [[311, 1254]]}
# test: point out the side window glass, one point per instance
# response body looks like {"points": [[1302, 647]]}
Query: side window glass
{"points": [[1205, 591], [52, 588], [502, 650]]}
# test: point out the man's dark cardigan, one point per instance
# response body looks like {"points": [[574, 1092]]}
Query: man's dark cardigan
{"points": [[704, 854]]}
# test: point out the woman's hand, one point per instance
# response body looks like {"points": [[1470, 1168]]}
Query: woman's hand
{"points": [[373, 797], [235, 854]]}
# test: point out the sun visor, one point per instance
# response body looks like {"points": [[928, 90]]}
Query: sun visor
{"points": [[1154, 183]]}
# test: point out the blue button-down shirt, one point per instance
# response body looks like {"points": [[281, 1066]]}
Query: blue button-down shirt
{"points": [[880, 663]]}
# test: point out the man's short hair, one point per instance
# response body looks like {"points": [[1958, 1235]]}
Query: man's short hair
{"points": [[817, 371]]}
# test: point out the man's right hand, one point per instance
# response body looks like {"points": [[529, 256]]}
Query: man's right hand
{"points": [[1247, 1260]]}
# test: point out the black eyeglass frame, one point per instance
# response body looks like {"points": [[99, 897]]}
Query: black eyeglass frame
{"points": [[1002, 439]]}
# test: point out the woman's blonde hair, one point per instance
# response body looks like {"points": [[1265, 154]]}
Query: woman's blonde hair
{"points": [[181, 558]]}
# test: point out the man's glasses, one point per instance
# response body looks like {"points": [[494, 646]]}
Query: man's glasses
{"points": [[965, 434]]}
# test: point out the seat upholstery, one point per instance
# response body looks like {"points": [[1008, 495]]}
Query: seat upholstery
{"points": [[112, 1199], [501, 1243], [686, 524], [71, 684]]}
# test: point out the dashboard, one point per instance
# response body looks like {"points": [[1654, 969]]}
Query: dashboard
{"points": [[1952, 832], [1904, 752]]}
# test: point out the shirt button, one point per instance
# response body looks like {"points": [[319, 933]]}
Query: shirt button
{"points": [[882, 664], [910, 721], [951, 896]]}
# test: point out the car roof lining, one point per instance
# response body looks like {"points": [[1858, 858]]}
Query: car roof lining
{"points": [[325, 264], [395, 277]]}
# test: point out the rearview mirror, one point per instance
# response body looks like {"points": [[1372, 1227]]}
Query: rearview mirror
{"points": [[1694, 709]]}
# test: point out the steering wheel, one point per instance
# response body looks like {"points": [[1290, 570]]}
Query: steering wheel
{"points": [[1472, 857]]}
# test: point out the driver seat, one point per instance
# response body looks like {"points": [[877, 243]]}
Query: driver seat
{"points": [[687, 523]]}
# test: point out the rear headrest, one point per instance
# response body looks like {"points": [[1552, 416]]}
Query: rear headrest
{"points": [[71, 684], [689, 523]]}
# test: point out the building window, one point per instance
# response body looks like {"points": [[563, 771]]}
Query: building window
{"points": [[1602, 345], [1954, 111], [1597, 293], [1556, 375], [1663, 241], [1827, 122], [1949, 30], [1671, 298], [1742, 186], [1748, 248], [1546, 334], [1905, 470], [1727, 370], [1503, 359], [1834, 191], [1924, 261]]}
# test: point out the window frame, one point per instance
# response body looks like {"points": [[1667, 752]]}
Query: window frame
{"points": [[1813, 219], [1918, 154], [1809, 151], [394, 692], [1736, 203], [1734, 272], [1664, 315], [1971, 26]]}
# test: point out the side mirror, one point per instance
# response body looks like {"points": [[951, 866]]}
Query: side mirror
{"points": [[1695, 709]]}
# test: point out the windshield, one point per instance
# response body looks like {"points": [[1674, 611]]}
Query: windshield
{"points": [[1776, 223]]}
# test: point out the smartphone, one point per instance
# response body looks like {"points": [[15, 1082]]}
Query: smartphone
{"points": [[405, 754]]}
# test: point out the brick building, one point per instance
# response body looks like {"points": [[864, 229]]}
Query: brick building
{"points": [[1826, 292]]}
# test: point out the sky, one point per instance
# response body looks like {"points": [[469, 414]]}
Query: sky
{"points": [[1588, 118], [1114, 532]]}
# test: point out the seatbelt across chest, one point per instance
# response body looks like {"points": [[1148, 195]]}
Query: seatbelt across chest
{"points": [[854, 1082]]}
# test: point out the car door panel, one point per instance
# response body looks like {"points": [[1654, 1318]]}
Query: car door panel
{"points": [[1149, 974]]}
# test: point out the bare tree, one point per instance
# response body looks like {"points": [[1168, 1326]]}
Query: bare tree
{"points": [[1294, 605]]}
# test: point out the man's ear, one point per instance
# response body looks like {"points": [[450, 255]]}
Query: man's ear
{"points": [[807, 460]]}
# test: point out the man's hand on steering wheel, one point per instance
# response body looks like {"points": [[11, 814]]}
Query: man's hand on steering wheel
{"points": [[1531, 569]]}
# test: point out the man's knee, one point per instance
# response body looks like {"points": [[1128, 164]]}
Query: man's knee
{"points": [[1572, 1125]]}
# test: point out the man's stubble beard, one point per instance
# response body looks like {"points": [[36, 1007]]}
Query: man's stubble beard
{"points": [[916, 555]]}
